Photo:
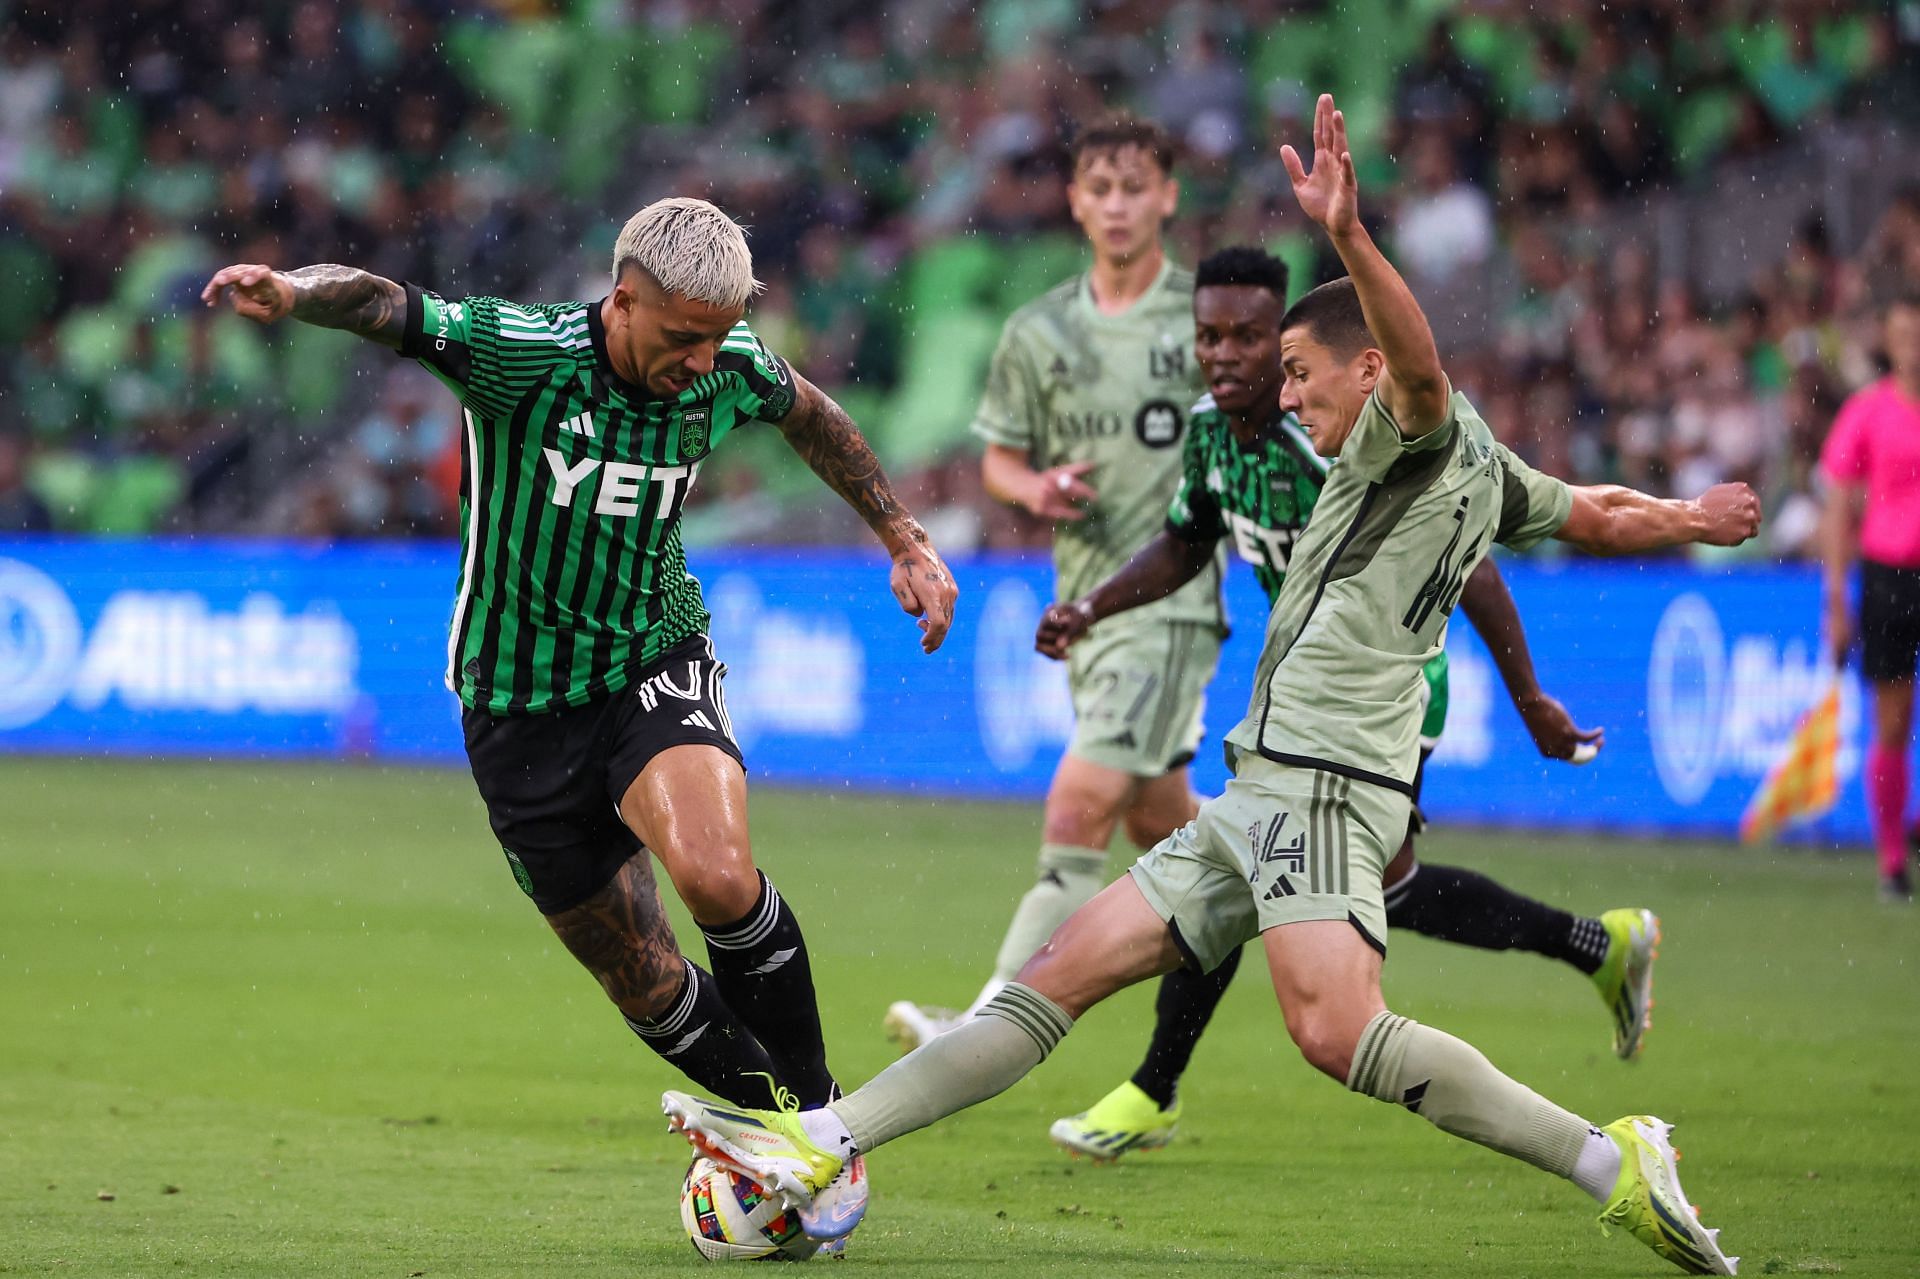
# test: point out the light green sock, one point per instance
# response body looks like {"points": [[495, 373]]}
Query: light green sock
{"points": [[1454, 1087], [1069, 876], [980, 1058]]}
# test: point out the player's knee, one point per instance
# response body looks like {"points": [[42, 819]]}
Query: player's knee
{"points": [[1325, 1038], [1147, 828], [719, 889]]}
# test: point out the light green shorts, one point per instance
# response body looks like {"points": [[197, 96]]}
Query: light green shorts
{"points": [[1282, 845], [1139, 692]]}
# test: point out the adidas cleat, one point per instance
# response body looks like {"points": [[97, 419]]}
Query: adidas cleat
{"points": [[1625, 979], [909, 1025], [838, 1208], [1125, 1119], [1649, 1204], [768, 1146]]}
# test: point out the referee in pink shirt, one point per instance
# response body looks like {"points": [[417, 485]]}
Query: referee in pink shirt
{"points": [[1872, 465]]}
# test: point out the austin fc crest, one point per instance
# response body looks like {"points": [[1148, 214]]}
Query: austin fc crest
{"points": [[694, 431]]}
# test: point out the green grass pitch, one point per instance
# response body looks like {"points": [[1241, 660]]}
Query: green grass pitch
{"points": [[297, 1020]]}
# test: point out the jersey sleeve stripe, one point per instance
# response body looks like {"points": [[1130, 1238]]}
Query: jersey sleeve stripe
{"points": [[456, 634]]}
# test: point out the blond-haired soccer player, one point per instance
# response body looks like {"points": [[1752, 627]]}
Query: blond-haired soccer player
{"points": [[593, 714], [1293, 850]]}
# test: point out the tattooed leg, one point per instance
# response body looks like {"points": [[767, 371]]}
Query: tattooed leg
{"points": [[689, 805], [622, 936]]}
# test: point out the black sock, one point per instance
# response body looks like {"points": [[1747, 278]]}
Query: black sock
{"points": [[702, 1038], [1466, 907], [1181, 1012], [760, 964]]}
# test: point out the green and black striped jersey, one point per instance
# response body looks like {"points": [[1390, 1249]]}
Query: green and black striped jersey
{"points": [[571, 570], [1257, 493]]}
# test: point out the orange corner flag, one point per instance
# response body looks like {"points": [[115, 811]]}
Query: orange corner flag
{"points": [[1802, 782]]}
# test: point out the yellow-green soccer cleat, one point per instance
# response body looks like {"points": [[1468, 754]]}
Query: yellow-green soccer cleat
{"points": [[1625, 980], [1649, 1204], [1125, 1119], [768, 1146]]}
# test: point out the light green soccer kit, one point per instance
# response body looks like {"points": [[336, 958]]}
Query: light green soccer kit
{"points": [[1324, 760], [1070, 384]]}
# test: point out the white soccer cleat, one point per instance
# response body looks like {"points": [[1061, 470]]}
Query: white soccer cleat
{"points": [[767, 1146], [909, 1025], [838, 1208]]}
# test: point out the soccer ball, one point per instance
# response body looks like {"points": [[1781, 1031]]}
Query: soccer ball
{"points": [[733, 1218]]}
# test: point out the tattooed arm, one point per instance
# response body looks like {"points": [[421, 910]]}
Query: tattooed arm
{"points": [[333, 297], [821, 432]]}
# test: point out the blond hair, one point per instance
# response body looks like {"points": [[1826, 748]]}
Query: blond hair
{"points": [[691, 249]]}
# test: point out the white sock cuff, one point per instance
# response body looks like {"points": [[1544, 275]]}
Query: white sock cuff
{"points": [[1071, 859]]}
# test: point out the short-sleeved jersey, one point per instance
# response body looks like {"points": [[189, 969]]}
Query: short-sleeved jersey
{"points": [[1257, 493], [571, 570], [1875, 443], [1398, 528], [1070, 384]]}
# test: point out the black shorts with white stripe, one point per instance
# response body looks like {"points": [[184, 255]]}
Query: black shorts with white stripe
{"points": [[553, 782]]}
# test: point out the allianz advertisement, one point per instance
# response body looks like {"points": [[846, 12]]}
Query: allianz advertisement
{"points": [[226, 649]]}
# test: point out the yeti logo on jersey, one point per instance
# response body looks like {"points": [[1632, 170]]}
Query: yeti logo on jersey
{"points": [[623, 488], [1268, 548], [1158, 424], [693, 432]]}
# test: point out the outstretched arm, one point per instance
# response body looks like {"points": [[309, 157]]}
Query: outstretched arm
{"points": [[821, 433], [1490, 608], [1608, 519], [1156, 571], [328, 295], [1414, 386]]}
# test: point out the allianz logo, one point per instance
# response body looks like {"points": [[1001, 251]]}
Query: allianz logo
{"points": [[1719, 709], [167, 651]]}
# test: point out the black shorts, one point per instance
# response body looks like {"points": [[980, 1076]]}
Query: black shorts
{"points": [[1889, 621], [553, 782]]}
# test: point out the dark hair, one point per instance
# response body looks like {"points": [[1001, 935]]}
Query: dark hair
{"points": [[1112, 134], [1243, 265], [1332, 314]]}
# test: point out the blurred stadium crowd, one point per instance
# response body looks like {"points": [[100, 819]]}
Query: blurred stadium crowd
{"points": [[1651, 233]]}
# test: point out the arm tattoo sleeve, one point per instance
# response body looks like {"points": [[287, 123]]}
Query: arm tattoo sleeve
{"points": [[821, 432], [343, 297]]}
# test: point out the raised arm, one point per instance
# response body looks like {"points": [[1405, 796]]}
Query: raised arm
{"points": [[1414, 386], [328, 295], [1608, 519], [821, 433], [1839, 546], [1156, 571], [1489, 606]]}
